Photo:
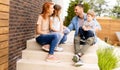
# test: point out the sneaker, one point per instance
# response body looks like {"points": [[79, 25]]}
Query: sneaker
{"points": [[76, 58], [59, 49], [52, 59], [46, 48], [79, 63]]}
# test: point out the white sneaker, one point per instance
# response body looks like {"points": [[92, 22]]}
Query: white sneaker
{"points": [[79, 63], [58, 49]]}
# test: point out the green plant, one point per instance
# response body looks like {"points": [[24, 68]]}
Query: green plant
{"points": [[70, 12], [107, 60], [116, 10], [86, 7]]}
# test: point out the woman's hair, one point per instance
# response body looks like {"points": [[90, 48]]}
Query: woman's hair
{"points": [[57, 8], [45, 8]]}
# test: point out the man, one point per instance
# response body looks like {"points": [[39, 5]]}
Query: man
{"points": [[77, 22]]}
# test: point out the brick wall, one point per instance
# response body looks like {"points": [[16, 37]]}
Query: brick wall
{"points": [[23, 16]]}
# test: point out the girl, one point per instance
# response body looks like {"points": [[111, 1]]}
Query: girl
{"points": [[56, 23]]}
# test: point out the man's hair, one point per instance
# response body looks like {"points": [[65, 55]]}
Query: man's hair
{"points": [[80, 5]]}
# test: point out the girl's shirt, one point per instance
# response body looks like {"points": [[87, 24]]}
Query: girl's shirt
{"points": [[56, 24]]}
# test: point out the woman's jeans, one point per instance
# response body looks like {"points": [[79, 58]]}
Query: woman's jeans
{"points": [[53, 39], [64, 38]]}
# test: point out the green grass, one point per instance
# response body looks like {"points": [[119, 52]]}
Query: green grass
{"points": [[107, 60]]}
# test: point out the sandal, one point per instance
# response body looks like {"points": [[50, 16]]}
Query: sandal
{"points": [[46, 48]]}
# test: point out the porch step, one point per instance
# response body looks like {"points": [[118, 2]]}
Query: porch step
{"points": [[33, 57], [64, 56], [68, 46], [33, 45], [26, 64]]}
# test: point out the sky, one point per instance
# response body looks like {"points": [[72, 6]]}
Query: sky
{"points": [[65, 4], [111, 2]]}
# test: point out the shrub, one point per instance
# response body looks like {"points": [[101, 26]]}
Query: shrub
{"points": [[107, 60]]}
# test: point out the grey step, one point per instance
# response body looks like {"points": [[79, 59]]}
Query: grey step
{"points": [[63, 56], [33, 58], [33, 45], [43, 65], [69, 47]]}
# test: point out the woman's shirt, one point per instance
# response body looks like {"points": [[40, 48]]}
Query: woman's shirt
{"points": [[43, 25]]}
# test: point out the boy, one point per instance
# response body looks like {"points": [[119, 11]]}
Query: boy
{"points": [[88, 28]]}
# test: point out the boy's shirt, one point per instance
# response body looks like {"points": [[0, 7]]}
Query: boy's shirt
{"points": [[90, 25]]}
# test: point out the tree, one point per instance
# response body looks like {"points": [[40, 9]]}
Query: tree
{"points": [[116, 9], [70, 10], [99, 6], [86, 7]]}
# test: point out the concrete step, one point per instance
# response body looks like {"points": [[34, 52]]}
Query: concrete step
{"points": [[24, 64], [69, 47], [33, 45], [41, 55], [63, 56], [33, 58]]}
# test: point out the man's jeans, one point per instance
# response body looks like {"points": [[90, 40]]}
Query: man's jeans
{"points": [[53, 39], [82, 49]]}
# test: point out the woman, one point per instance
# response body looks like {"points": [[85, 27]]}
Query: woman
{"points": [[44, 37]]}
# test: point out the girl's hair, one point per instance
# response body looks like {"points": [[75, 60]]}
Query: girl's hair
{"points": [[57, 8], [45, 8]]}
